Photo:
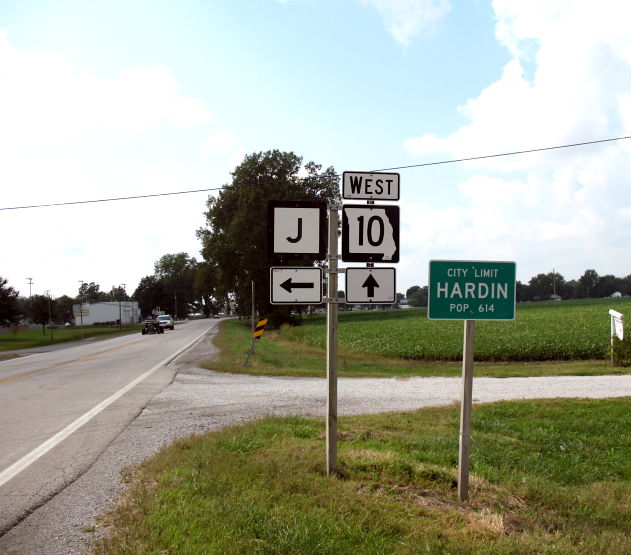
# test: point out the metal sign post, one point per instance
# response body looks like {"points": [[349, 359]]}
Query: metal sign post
{"points": [[331, 344], [256, 335]]}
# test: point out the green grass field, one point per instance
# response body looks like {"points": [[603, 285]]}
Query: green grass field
{"points": [[546, 339], [275, 355], [546, 477], [28, 339], [568, 330]]}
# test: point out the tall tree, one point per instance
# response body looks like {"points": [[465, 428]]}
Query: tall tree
{"points": [[607, 285], [9, 305], [543, 286], [91, 293], [42, 310], [589, 281], [176, 272], [204, 288], [64, 306], [150, 295], [117, 293], [412, 290], [234, 240]]}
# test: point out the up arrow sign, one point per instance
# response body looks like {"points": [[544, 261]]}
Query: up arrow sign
{"points": [[370, 285], [289, 286]]}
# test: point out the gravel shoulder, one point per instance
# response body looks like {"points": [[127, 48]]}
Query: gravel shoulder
{"points": [[199, 400]]}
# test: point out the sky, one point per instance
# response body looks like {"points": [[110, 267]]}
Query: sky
{"points": [[102, 99]]}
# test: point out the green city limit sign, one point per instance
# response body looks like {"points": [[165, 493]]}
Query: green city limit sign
{"points": [[471, 290]]}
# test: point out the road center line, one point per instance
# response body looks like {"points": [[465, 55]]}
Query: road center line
{"points": [[87, 357], [55, 440]]}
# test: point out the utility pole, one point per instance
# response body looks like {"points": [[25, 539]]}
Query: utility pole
{"points": [[30, 284], [49, 315], [81, 306], [331, 343], [120, 312]]}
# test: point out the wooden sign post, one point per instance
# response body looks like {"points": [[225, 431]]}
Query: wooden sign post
{"points": [[469, 290]]}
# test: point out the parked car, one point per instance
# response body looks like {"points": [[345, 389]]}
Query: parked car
{"points": [[165, 321]]}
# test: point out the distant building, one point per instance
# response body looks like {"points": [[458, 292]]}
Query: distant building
{"points": [[616, 294], [111, 311]]}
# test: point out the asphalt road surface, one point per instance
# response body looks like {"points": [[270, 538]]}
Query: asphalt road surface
{"points": [[61, 409], [180, 399]]}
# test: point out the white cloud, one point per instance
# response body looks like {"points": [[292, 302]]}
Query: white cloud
{"points": [[225, 145], [43, 100], [563, 208], [69, 136], [222, 141], [406, 19]]}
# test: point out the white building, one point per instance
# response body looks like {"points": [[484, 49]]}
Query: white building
{"points": [[111, 311]]}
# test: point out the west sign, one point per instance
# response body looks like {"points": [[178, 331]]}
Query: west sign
{"points": [[471, 290], [370, 186]]}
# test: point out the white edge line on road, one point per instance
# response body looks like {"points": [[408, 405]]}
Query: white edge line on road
{"points": [[38, 452]]}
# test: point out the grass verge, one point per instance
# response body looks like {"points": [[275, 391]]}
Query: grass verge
{"points": [[275, 355], [28, 339], [547, 477]]}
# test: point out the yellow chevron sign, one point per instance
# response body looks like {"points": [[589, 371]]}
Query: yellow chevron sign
{"points": [[260, 328]]}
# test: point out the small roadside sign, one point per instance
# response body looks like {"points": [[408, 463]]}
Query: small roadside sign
{"points": [[471, 290], [370, 285], [296, 229], [370, 233], [370, 186], [259, 330], [617, 324], [295, 285]]}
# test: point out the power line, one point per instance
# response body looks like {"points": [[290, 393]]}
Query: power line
{"points": [[111, 199], [452, 161], [503, 154]]}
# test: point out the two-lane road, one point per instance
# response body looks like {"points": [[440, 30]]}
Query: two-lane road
{"points": [[59, 410]]}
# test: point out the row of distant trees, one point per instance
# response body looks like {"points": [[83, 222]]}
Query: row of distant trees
{"points": [[179, 285], [589, 285], [552, 285], [42, 309]]}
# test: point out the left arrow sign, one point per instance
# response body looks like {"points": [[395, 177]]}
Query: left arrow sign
{"points": [[289, 286], [295, 285]]}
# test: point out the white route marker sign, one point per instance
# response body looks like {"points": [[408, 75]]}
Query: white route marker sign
{"points": [[296, 229], [370, 233]]}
